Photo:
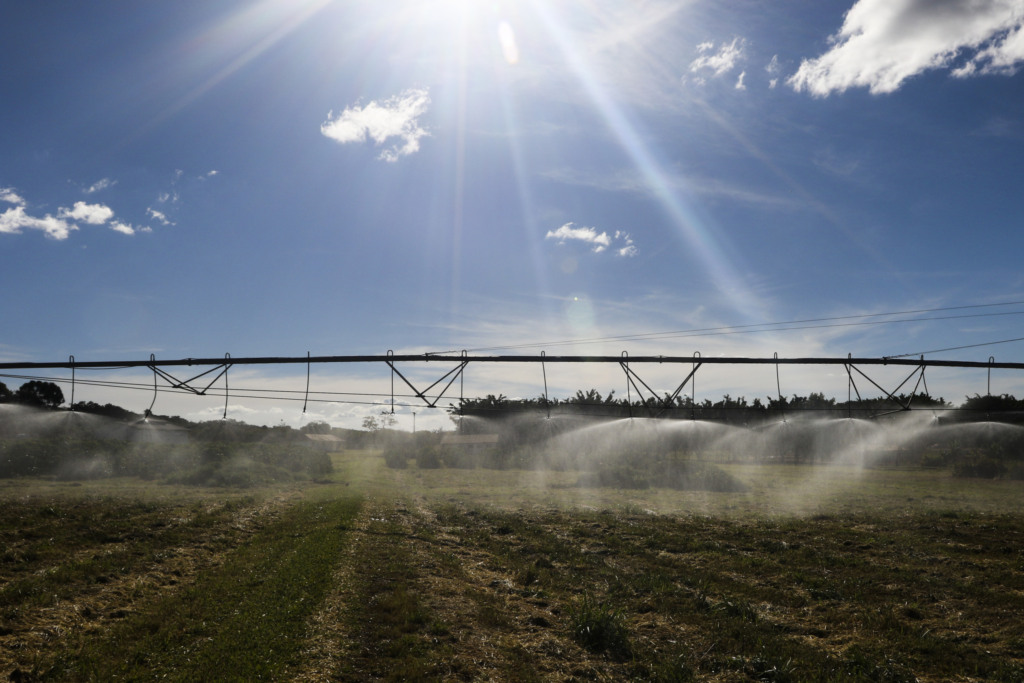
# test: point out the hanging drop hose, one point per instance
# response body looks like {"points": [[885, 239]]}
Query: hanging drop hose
{"points": [[227, 364], [544, 371], [305, 401], [778, 387], [152, 366]]}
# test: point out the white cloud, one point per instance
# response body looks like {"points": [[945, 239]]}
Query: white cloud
{"points": [[158, 216], [395, 117], [717, 63], [13, 220], [101, 184], [598, 241], [739, 81], [123, 228], [629, 249], [10, 196], [882, 43], [1003, 56], [93, 214], [59, 227], [773, 69]]}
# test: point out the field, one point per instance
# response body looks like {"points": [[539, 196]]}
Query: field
{"points": [[409, 574]]}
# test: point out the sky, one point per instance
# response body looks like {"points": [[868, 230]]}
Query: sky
{"points": [[283, 177]]}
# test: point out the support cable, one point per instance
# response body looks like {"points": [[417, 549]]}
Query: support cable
{"points": [[891, 395], [454, 373]]}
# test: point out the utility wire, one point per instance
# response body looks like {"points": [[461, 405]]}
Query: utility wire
{"points": [[262, 394], [744, 329], [768, 327], [956, 348]]}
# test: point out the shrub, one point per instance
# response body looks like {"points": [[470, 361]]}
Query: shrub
{"points": [[980, 466], [459, 459], [600, 628], [427, 458], [1015, 471], [396, 459]]}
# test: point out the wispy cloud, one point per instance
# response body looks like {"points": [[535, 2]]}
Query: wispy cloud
{"points": [[773, 69], [159, 216], [395, 117], [631, 181], [882, 43], [596, 241], [100, 185], [713, 63], [10, 196], [628, 249]]}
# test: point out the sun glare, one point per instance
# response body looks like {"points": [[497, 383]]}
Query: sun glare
{"points": [[507, 39]]}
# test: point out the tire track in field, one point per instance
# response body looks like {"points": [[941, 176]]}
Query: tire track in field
{"points": [[38, 635], [330, 640]]}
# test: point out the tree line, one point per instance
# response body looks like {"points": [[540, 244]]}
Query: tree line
{"points": [[735, 410]]}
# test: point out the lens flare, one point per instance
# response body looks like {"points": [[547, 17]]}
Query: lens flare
{"points": [[507, 39]]}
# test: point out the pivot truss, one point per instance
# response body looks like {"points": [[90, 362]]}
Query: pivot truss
{"points": [[456, 364]]}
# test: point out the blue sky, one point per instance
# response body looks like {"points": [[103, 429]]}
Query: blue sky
{"points": [[273, 177]]}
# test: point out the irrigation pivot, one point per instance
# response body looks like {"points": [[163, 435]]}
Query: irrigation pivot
{"points": [[465, 358]]}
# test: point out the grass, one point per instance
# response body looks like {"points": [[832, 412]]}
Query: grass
{"points": [[385, 574], [392, 630], [245, 620], [599, 627]]}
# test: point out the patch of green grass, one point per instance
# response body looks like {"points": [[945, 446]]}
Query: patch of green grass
{"points": [[599, 627], [244, 621], [393, 630], [61, 544]]}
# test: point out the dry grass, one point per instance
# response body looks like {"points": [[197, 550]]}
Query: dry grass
{"points": [[487, 575]]}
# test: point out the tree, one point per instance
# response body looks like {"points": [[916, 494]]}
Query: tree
{"points": [[45, 394], [316, 427], [370, 424], [6, 394]]}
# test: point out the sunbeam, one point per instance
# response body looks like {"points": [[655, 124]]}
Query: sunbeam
{"points": [[695, 229]]}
